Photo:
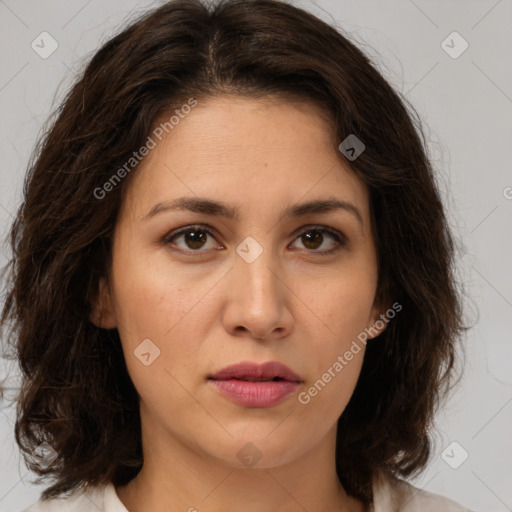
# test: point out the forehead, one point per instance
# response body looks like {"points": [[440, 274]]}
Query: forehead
{"points": [[248, 151]]}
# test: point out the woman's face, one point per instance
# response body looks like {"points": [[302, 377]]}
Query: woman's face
{"points": [[263, 286]]}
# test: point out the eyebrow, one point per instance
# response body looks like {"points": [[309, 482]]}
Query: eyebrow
{"points": [[231, 212]]}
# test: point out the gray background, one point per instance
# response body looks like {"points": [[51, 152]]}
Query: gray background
{"points": [[466, 103]]}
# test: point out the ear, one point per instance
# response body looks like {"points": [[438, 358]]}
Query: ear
{"points": [[377, 322], [103, 314]]}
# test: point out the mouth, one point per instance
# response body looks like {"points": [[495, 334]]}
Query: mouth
{"points": [[272, 371], [255, 393], [252, 379]]}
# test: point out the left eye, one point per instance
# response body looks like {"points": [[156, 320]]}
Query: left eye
{"points": [[314, 237], [195, 238]]}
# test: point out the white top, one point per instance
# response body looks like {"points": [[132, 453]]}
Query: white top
{"points": [[390, 494]]}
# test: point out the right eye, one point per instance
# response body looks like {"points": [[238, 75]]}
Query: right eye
{"points": [[194, 237]]}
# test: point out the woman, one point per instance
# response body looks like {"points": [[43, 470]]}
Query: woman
{"points": [[232, 275]]}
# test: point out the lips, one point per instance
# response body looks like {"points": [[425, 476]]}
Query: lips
{"points": [[253, 372], [256, 385]]}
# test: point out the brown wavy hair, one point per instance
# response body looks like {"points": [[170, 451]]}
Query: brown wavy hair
{"points": [[76, 393]]}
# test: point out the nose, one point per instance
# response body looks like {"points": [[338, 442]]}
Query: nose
{"points": [[259, 300]]}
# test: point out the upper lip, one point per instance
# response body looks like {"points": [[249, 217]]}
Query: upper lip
{"points": [[249, 370]]}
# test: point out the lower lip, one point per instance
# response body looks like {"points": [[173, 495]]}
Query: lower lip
{"points": [[255, 394]]}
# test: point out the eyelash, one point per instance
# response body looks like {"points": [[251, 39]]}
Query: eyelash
{"points": [[338, 237]]}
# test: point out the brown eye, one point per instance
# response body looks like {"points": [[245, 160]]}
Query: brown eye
{"points": [[194, 238], [312, 239], [315, 237]]}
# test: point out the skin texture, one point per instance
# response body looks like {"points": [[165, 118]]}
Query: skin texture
{"points": [[206, 311]]}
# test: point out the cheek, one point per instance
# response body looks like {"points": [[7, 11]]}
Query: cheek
{"points": [[340, 311], [148, 299], [153, 303], [335, 360], [152, 319], [343, 303]]}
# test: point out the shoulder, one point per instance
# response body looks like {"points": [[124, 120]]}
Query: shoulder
{"points": [[391, 493], [90, 499]]}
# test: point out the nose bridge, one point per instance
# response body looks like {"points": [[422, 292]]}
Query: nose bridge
{"points": [[258, 302], [253, 271]]}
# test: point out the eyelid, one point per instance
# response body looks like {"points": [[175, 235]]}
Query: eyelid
{"points": [[339, 237]]}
